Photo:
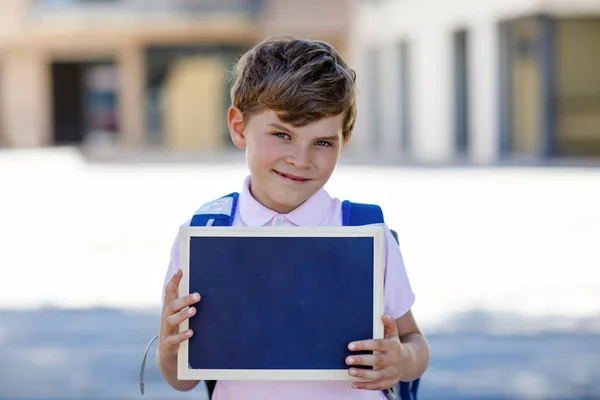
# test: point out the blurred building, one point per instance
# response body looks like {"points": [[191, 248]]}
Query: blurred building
{"points": [[484, 81], [136, 72]]}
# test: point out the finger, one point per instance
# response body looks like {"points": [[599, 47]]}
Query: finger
{"points": [[172, 288], [374, 385], [366, 374], [379, 345], [182, 302], [175, 340], [369, 360], [174, 320], [390, 330]]}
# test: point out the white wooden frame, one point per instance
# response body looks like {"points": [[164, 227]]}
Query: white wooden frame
{"points": [[376, 231]]}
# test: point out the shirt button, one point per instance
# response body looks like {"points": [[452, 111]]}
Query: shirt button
{"points": [[279, 222]]}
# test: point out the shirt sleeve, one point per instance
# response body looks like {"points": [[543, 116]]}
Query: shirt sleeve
{"points": [[398, 294]]}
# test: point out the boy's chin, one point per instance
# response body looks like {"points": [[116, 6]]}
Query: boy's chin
{"points": [[291, 203], [288, 203]]}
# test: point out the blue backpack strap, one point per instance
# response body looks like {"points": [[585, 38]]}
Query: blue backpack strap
{"points": [[357, 214], [219, 212], [409, 390]]}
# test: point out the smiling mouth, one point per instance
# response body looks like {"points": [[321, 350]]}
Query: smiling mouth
{"points": [[293, 178]]}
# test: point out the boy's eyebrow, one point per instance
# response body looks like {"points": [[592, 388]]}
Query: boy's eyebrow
{"points": [[280, 127], [286, 130], [330, 138]]}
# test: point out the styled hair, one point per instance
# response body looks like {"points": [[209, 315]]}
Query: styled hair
{"points": [[301, 80]]}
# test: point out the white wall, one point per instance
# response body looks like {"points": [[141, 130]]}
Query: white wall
{"points": [[428, 25]]}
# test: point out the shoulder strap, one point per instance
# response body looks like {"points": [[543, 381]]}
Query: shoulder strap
{"points": [[357, 214], [219, 212]]}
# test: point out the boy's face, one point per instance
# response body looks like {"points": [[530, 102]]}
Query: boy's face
{"points": [[287, 164]]}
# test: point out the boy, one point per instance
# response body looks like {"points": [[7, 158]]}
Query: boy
{"points": [[293, 110]]}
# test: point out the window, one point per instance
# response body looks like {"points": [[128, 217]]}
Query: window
{"points": [[374, 98], [461, 92], [405, 96]]}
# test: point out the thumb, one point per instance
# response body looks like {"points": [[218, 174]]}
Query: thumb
{"points": [[390, 330]]}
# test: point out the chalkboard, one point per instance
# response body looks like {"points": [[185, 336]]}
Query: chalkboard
{"points": [[279, 303]]}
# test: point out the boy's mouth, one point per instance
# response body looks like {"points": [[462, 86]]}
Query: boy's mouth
{"points": [[293, 178]]}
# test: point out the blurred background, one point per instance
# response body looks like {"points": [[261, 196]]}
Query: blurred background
{"points": [[478, 133]]}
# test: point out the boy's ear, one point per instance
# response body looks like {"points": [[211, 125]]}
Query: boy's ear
{"points": [[235, 121]]}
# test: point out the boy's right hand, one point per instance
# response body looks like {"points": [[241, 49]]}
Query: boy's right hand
{"points": [[175, 311]]}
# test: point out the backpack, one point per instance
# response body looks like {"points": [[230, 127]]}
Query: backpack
{"points": [[221, 212]]}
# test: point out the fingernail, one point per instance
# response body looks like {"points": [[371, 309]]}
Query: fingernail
{"points": [[196, 296], [352, 372], [189, 333], [354, 386], [352, 346], [351, 360], [191, 310]]}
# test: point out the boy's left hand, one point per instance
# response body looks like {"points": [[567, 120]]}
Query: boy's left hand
{"points": [[388, 363]]}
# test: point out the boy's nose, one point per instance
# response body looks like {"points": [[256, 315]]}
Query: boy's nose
{"points": [[300, 158]]}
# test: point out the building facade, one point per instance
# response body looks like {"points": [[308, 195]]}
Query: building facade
{"points": [[136, 72], [480, 81]]}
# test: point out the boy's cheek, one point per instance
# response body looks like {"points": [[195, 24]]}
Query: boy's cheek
{"points": [[328, 166]]}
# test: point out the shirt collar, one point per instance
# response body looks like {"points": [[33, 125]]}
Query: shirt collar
{"points": [[309, 213]]}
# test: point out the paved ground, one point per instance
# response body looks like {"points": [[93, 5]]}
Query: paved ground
{"points": [[519, 244], [96, 354]]}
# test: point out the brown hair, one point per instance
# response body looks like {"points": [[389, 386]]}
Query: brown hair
{"points": [[301, 80]]}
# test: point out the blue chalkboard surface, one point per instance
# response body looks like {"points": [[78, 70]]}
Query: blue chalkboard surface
{"points": [[279, 301]]}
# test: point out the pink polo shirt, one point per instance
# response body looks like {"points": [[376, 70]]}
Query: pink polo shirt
{"points": [[319, 210]]}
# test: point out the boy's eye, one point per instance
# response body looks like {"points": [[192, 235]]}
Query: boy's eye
{"points": [[282, 135], [323, 143]]}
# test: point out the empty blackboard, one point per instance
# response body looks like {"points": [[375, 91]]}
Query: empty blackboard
{"points": [[279, 302]]}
